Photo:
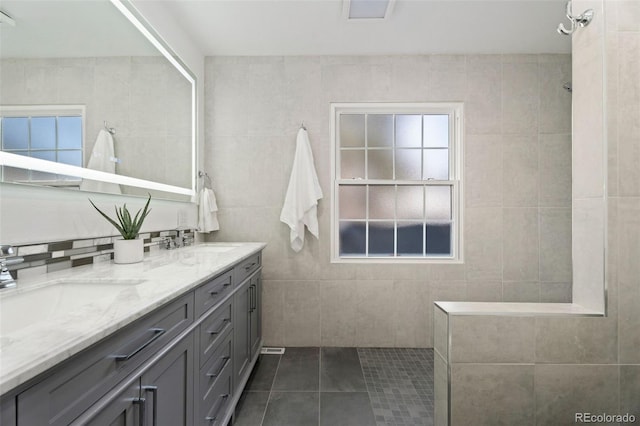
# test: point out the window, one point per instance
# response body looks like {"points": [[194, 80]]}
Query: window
{"points": [[53, 133], [397, 182]]}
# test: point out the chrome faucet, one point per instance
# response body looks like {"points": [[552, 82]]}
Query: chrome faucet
{"points": [[6, 259]]}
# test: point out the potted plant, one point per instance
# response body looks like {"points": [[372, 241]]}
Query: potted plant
{"points": [[130, 249]]}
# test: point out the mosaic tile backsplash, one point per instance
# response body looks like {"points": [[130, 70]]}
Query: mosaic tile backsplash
{"points": [[57, 255]]}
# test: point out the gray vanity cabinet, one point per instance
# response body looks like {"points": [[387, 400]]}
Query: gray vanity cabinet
{"points": [[123, 409], [247, 326], [183, 364], [167, 387], [241, 345], [255, 317]]}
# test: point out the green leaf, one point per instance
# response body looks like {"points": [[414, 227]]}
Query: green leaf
{"points": [[127, 227]]}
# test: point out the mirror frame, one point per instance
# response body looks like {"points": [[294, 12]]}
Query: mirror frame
{"points": [[132, 15]]}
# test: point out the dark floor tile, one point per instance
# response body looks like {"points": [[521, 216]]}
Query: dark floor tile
{"points": [[250, 409], [292, 409], [264, 373], [346, 409], [299, 370], [340, 370]]}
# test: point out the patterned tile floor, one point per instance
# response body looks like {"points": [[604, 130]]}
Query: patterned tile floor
{"points": [[340, 387]]}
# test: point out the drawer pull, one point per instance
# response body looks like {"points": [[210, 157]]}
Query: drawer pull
{"points": [[216, 409], [156, 333], [221, 329], [217, 291], [224, 364], [247, 268], [141, 410]]}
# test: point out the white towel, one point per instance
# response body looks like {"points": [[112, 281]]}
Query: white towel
{"points": [[301, 201], [102, 159], [207, 211]]}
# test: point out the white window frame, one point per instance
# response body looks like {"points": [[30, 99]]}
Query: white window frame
{"points": [[49, 111], [456, 168]]}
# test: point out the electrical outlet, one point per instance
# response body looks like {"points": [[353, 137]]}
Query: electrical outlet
{"points": [[182, 218]]}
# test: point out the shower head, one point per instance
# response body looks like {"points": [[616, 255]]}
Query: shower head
{"points": [[567, 86]]}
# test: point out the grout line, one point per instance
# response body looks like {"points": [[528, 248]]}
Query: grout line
{"points": [[319, 381], [264, 413]]}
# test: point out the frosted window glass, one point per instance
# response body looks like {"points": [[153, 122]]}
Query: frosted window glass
{"points": [[43, 133], [352, 164], [380, 164], [410, 201], [436, 131], [409, 131], [380, 130], [353, 238], [382, 202], [410, 238], [436, 164], [439, 239], [353, 202], [409, 164], [352, 130], [438, 202], [70, 132], [15, 133], [73, 158], [381, 238]]}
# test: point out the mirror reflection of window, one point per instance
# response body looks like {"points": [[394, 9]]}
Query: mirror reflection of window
{"points": [[42, 134]]}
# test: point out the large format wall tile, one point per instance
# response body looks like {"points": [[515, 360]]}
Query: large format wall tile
{"points": [[492, 395], [492, 339], [564, 390]]}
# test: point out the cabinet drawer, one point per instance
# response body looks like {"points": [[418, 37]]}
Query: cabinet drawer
{"points": [[212, 292], [86, 377], [214, 330], [215, 389], [247, 267]]}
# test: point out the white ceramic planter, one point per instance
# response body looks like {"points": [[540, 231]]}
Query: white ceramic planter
{"points": [[128, 251]]}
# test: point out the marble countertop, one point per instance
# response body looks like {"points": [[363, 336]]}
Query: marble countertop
{"points": [[46, 320]]}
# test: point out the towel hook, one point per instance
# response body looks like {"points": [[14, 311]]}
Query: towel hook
{"points": [[302, 126], [109, 129], [576, 21], [206, 179]]}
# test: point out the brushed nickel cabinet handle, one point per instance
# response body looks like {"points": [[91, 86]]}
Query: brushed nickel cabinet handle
{"points": [[221, 329], [156, 333], [212, 418], [154, 392], [224, 364]]}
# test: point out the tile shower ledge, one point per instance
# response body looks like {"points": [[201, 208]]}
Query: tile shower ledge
{"points": [[515, 309], [82, 305]]}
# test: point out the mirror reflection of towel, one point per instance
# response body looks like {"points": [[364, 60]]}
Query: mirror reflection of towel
{"points": [[102, 159], [207, 211], [301, 202]]}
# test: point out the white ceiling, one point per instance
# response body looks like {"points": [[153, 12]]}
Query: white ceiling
{"points": [[71, 28], [317, 27]]}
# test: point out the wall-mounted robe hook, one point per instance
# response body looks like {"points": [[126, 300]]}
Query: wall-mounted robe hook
{"points": [[580, 20]]}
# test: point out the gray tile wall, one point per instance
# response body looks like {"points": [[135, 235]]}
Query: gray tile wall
{"points": [[517, 187], [558, 367]]}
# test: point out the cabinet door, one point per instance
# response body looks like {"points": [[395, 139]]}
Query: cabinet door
{"points": [[241, 348], [255, 321], [167, 387], [125, 409]]}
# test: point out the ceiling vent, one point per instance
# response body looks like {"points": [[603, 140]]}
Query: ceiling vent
{"points": [[367, 10]]}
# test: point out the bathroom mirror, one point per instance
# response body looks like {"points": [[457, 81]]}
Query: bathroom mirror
{"points": [[92, 99]]}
